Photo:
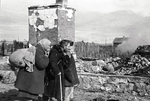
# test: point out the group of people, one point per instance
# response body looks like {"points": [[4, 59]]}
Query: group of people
{"points": [[54, 74]]}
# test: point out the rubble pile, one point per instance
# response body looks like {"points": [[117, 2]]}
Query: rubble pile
{"points": [[136, 64], [96, 66], [116, 84], [8, 77], [79, 65], [7, 73], [88, 66]]}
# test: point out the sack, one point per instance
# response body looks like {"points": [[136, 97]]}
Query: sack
{"points": [[16, 58]]}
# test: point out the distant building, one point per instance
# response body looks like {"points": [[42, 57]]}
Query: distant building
{"points": [[118, 41]]}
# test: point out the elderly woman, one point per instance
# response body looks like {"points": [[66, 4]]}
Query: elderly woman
{"points": [[31, 84], [54, 88]]}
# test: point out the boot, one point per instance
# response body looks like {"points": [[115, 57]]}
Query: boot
{"points": [[44, 98]]}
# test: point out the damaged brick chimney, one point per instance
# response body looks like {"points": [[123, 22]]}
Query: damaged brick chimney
{"points": [[54, 22], [62, 2]]}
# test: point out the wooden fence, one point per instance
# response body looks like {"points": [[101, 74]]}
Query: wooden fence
{"points": [[93, 50], [82, 49], [7, 47]]}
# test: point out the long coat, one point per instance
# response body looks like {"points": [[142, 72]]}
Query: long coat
{"points": [[71, 77], [33, 82], [52, 81]]}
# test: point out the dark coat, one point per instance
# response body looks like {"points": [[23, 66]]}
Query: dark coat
{"points": [[52, 86], [33, 82], [71, 77]]}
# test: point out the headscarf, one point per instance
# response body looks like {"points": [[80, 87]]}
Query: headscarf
{"points": [[44, 43]]}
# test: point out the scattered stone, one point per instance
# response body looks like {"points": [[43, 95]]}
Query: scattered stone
{"points": [[148, 89], [7, 90], [8, 77], [130, 86], [134, 93]]}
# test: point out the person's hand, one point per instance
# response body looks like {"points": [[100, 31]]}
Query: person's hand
{"points": [[69, 54], [59, 73], [46, 53], [76, 85]]}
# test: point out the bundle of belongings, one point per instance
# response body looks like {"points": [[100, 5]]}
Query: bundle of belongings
{"points": [[23, 58]]}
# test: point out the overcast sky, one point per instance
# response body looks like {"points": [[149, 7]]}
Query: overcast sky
{"points": [[93, 22]]}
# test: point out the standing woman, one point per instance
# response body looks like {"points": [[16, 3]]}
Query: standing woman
{"points": [[54, 84], [31, 84], [71, 76]]}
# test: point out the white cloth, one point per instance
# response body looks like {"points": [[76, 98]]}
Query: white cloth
{"points": [[29, 58], [69, 93]]}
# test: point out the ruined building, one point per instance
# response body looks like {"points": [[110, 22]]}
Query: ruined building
{"points": [[54, 22]]}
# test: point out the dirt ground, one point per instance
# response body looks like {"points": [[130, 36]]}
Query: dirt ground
{"points": [[9, 93]]}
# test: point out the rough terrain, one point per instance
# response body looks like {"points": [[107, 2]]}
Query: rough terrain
{"points": [[88, 90]]}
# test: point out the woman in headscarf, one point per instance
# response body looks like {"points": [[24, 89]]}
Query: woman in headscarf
{"points": [[54, 87], [31, 84]]}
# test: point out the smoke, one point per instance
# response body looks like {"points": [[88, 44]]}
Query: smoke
{"points": [[140, 36], [133, 42]]}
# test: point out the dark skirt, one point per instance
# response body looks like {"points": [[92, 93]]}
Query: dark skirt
{"points": [[27, 95], [53, 89]]}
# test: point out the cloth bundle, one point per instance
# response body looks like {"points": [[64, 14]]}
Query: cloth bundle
{"points": [[23, 58]]}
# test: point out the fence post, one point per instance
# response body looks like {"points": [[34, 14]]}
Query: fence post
{"points": [[3, 48]]}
